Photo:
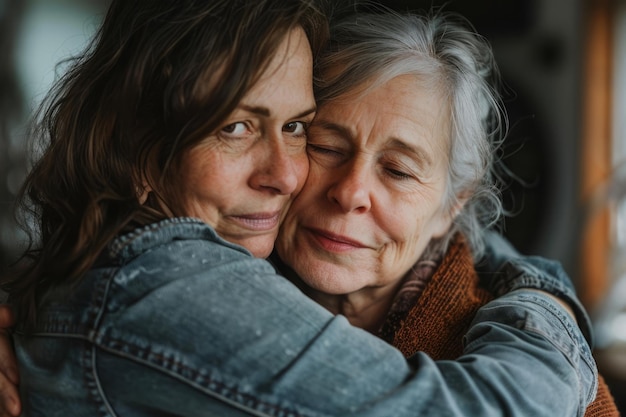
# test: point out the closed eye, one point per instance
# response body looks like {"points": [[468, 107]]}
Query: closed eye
{"points": [[322, 150], [399, 175]]}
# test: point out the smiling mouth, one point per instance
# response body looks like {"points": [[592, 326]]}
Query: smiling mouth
{"points": [[335, 243], [261, 222]]}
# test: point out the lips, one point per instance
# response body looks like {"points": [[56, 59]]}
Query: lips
{"points": [[258, 221], [333, 242]]}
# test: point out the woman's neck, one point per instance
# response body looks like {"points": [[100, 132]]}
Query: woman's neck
{"points": [[366, 308]]}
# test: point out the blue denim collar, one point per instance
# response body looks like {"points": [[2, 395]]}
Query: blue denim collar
{"points": [[130, 245]]}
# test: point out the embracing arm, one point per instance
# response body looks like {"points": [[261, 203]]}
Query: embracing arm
{"points": [[505, 372], [284, 355], [281, 354]]}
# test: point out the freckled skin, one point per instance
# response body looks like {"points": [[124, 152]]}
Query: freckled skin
{"points": [[242, 179]]}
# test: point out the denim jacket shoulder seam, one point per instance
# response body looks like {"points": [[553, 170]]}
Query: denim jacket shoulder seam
{"points": [[96, 310], [92, 378]]}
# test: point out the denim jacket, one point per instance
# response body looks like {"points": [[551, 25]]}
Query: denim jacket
{"points": [[176, 321]]}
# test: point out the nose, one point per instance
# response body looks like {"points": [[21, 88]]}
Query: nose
{"points": [[279, 169], [351, 191]]}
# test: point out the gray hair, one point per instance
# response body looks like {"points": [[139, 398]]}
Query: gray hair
{"points": [[371, 49]]}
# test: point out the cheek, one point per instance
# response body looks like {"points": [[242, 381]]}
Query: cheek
{"points": [[405, 229], [207, 180], [405, 251], [304, 206], [187, 186], [311, 192], [410, 230], [301, 167]]}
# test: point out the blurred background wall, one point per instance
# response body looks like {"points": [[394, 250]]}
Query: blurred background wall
{"points": [[35, 35], [563, 63]]}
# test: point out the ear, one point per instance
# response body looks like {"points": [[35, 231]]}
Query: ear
{"points": [[145, 178], [143, 188], [142, 192], [458, 205]]}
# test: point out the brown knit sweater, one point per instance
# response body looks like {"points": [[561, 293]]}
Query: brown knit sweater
{"points": [[442, 309]]}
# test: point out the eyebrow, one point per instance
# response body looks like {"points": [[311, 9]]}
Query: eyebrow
{"points": [[416, 150], [265, 112], [342, 130], [419, 152]]}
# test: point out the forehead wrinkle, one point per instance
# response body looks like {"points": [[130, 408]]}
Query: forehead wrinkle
{"points": [[259, 110], [343, 131]]}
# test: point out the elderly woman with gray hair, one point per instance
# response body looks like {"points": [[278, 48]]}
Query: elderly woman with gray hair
{"points": [[401, 191]]}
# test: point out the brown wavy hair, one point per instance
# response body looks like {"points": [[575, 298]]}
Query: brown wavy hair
{"points": [[158, 77]]}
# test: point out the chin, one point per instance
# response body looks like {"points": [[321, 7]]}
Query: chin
{"points": [[330, 283], [261, 252], [260, 248]]}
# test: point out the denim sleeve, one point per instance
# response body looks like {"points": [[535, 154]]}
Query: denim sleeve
{"points": [[541, 316], [283, 355], [504, 269]]}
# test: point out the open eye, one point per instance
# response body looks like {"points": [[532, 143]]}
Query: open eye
{"points": [[295, 128], [235, 129]]}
